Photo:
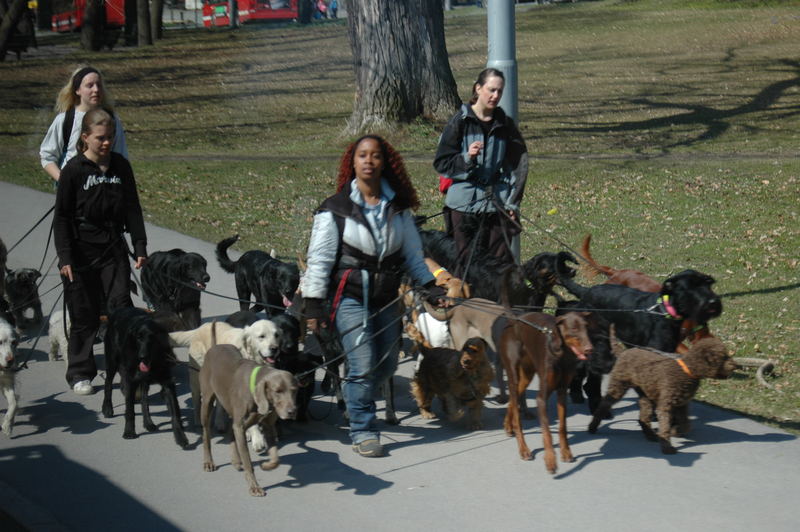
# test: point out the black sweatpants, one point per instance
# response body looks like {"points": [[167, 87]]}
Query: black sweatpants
{"points": [[493, 232], [94, 291]]}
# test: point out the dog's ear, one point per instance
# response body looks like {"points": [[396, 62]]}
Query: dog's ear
{"points": [[261, 397], [556, 337], [36, 274]]}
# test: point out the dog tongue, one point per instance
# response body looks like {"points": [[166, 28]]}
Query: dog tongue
{"points": [[287, 302], [578, 353], [144, 368]]}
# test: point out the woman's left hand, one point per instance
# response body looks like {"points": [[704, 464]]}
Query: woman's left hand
{"points": [[140, 261]]}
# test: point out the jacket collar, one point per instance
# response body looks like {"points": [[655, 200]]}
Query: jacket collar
{"points": [[498, 117]]}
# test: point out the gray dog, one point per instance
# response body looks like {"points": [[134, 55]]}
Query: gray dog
{"points": [[250, 393]]}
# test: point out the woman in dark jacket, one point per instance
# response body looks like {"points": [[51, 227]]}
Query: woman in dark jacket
{"points": [[363, 240], [483, 153], [96, 201]]}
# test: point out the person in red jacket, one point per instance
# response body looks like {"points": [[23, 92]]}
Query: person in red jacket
{"points": [[96, 201]]}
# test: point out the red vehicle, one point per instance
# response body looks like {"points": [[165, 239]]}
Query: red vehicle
{"points": [[71, 18], [215, 13]]}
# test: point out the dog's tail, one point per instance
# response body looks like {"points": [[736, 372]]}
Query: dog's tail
{"points": [[590, 267], [222, 254], [214, 333], [565, 279]]}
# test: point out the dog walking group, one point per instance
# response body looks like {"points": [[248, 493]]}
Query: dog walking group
{"points": [[473, 314]]}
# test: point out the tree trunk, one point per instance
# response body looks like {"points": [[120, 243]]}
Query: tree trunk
{"points": [[143, 22], [401, 66], [131, 15], [305, 9], [94, 24], [44, 14], [156, 19], [233, 14], [10, 20]]}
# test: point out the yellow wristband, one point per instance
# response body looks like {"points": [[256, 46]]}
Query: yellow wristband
{"points": [[438, 272]]}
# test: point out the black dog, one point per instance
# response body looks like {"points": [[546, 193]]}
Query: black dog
{"points": [[138, 347], [272, 282], [589, 373], [527, 287], [645, 319], [173, 280], [300, 363], [242, 318], [23, 294]]}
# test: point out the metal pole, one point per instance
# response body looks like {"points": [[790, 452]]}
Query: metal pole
{"points": [[503, 49], [503, 57]]}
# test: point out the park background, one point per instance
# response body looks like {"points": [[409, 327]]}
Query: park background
{"points": [[669, 130]]}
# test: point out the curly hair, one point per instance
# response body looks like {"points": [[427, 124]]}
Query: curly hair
{"points": [[394, 171]]}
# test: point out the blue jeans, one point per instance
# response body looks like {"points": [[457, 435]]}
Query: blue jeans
{"points": [[370, 361]]}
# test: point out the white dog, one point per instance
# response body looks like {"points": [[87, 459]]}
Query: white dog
{"points": [[8, 348], [58, 336], [258, 342]]}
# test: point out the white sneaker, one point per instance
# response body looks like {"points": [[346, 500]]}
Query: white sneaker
{"points": [[83, 388]]}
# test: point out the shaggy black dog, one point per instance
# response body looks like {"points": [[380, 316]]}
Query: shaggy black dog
{"points": [[646, 319], [138, 348], [527, 287], [272, 282], [23, 295], [173, 280]]}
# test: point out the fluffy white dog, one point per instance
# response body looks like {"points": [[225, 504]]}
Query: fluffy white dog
{"points": [[258, 342], [8, 349]]}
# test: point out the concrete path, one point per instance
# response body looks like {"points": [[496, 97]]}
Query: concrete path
{"points": [[68, 468]]}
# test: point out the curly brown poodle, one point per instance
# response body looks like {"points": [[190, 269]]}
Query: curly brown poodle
{"points": [[664, 384], [460, 379]]}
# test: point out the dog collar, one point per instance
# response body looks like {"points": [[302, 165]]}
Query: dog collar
{"points": [[671, 312], [253, 377], [438, 272], [685, 368]]}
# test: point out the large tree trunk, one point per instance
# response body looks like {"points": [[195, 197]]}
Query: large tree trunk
{"points": [[131, 22], [94, 24], [156, 16], [143, 22], [401, 64], [11, 18]]}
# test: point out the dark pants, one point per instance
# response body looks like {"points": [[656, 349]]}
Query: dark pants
{"points": [[94, 291], [480, 233]]}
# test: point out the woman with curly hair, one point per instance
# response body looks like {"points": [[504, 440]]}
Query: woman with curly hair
{"points": [[363, 240]]}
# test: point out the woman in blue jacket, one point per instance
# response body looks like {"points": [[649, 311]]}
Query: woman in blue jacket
{"points": [[483, 153]]}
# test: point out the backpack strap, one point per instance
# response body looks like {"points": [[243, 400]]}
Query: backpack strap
{"points": [[66, 132]]}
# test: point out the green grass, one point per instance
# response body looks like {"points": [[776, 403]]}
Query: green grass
{"points": [[670, 130]]}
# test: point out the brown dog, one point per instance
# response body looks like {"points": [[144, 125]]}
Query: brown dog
{"points": [[458, 379], [665, 384], [550, 346], [640, 281], [250, 393]]}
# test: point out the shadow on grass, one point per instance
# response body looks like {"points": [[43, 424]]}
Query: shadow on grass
{"points": [[715, 121]]}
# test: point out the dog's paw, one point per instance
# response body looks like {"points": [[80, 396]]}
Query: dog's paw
{"points": [[209, 467], [476, 425], [108, 410], [237, 466], [181, 440], [566, 456], [501, 398], [525, 454], [129, 435], [427, 414], [391, 419], [256, 491], [150, 427], [7, 427]]}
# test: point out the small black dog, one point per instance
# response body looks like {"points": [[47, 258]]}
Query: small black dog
{"points": [[173, 280], [646, 319], [299, 363], [138, 347], [23, 294], [272, 282]]}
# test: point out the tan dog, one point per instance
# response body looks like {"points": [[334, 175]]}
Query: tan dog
{"points": [[458, 379], [536, 343], [666, 384], [251, 394]]}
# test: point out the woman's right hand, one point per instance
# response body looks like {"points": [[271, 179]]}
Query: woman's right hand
{"points": [[474, 149], [66, 271]]}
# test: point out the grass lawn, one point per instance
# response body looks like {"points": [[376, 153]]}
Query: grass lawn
{"points": [[669, 130]]}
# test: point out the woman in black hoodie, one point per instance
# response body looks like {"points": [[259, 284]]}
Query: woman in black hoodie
{"points": [[96, 202]]}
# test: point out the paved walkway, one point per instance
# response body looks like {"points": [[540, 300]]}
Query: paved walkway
{"points": [[68, 468]]}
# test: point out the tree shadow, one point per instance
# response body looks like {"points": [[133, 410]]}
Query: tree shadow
{"points": [[714, 121], [43, 474]]}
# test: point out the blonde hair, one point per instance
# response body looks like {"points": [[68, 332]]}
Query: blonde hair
{"points": [[67, 99], [95, 117]]}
